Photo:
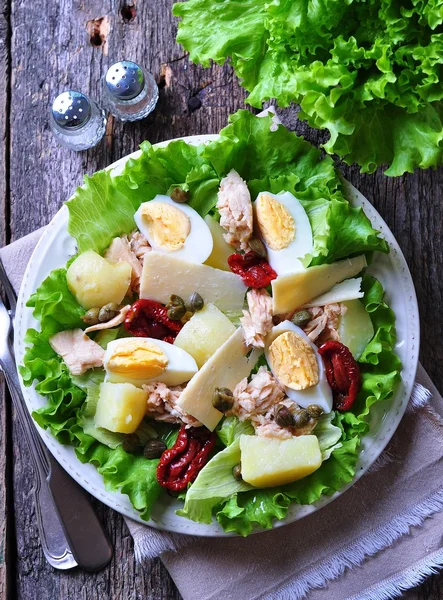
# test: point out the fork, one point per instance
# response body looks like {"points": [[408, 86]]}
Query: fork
{"points": [[70, 532]]}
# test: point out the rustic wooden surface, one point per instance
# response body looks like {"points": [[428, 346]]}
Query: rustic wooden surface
{"points": [[5, 471], [47, 47]]}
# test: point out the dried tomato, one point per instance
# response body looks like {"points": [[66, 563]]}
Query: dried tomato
{"points": [[255, 271], [147, 318], [181, 464], [342, 372]]}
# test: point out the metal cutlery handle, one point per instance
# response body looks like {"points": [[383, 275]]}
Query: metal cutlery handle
{"points": [[68, 507], [10, 293], [52, 536], [38, 453], [88, 542]]}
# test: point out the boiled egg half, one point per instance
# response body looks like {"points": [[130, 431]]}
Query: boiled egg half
{"points": [[295, 362], [174, 228], [283, 225], [140, 360]]}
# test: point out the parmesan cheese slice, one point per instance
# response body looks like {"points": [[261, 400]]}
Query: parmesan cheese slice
{"points": [[293, 290], [350, 289], [164, 275], [226, 367]]}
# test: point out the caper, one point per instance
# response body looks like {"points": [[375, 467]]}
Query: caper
{"points": [[113, 306], [314, 411], [258, 247], [283, 416], [223, 399], [175, 300], [175, 313], [91, 316], [154, 449], [195, 302], [131, 443], [108, 312], [301, 418], [179, 195], [236, 471], [301, 318]]}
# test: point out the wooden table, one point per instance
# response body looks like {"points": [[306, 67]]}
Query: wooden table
{"points": [[47, 47]]}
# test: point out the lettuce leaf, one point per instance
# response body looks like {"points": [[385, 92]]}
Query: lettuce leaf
{"points": [[231, 429], [57, 309], [368, 72], [379, 365], [236, 30], [130, 474], [98, 212], [328, 434], [55, 306], [214, 483]]}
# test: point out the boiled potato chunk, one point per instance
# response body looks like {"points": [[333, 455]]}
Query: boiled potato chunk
{"points": [[266, 462], [355, 329], [204, 333], [120, 407], [94, 281], [221, 250]]}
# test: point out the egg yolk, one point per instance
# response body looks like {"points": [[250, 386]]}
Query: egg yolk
{"points": [[293, 361], [275, 222], [137, 360], [167, 225]]}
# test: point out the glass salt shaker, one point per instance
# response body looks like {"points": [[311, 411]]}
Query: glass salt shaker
{"points": [[130, 92], [77, 122]]}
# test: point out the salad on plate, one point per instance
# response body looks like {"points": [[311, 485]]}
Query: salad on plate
{"points": [[216, 337]]}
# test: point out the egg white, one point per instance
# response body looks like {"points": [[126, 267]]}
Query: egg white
{"points": [[321, 393], [198, 245], [288, 260], [181, 366]]}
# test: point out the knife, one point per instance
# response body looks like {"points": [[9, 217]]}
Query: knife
{"points": [[70, 532]]}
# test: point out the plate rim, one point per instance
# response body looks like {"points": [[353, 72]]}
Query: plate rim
{"points": [[191, 527]]}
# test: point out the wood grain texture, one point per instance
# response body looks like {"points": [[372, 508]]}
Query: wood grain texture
{"points": [[64, 45], [4, 120], [5, 548], [5, 553]]}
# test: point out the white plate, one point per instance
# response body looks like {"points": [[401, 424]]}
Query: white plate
{"points": [[56, 246]]}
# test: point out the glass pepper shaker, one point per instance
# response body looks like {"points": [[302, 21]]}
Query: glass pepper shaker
{"points": [[77, 122], [130, 92]]}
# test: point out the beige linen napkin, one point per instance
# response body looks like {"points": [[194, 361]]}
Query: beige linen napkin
{"points": [[380, 537]]}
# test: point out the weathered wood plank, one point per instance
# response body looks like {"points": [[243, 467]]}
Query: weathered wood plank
{"points": [[4, 120], [5, 549], [51, 52], [5, 554]]}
